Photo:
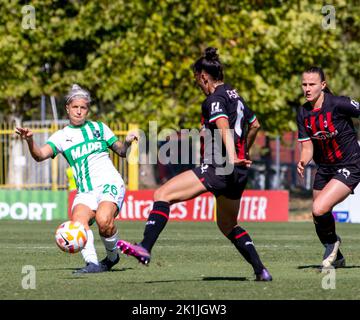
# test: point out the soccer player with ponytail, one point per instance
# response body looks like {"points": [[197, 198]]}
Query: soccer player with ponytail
{"points": [[100, 187], [328, 137], [226, 112]]}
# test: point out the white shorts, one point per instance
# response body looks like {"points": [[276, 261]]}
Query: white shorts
{"points": [[106, 192]]}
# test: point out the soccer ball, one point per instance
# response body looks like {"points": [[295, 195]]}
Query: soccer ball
{"points": [[71, 236]]}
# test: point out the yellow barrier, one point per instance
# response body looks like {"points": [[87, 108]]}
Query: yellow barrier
{"points": [[19, 171]]}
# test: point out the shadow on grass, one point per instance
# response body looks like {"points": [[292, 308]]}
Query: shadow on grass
{"points": [[225, 279], [166, 281], [86, 275], [316, 266], [311, 266], [203, 279]]}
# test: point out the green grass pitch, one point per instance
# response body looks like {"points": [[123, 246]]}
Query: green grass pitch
{"points": [[191, 261]]}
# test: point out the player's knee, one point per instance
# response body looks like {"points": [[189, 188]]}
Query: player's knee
{"points": [[106, 231], [225, 227], [106, 227], [319, 209], [80, 218], [161, 194]]}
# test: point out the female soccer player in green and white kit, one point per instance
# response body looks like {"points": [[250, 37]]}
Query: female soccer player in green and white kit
{"points": [[100, 187]]}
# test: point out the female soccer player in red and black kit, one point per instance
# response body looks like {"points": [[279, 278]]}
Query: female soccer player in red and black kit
{"points": [[223, 109], [327, 136]]}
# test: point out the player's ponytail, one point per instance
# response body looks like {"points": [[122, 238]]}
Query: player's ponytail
{"points": [[211, 55], [210, 63], [327, 90], [321, 74]]}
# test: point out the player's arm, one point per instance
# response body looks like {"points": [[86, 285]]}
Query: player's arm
{"points": [[228, 140], [121, 148], [38, 153], [254, 128], [307, 148], [306, 154]]}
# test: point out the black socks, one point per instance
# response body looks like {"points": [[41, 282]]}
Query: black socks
{"points": [[325, 228], [156, 222], [242, 241]]}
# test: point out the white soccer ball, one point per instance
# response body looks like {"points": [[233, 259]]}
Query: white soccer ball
{"points": [[71, 236]]}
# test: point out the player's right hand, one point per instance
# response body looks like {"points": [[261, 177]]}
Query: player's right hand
{"points": [[24, 133], [301, 168], [242, 162]]}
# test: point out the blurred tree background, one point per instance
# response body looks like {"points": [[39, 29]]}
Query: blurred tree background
{"points": [[135, 56]]}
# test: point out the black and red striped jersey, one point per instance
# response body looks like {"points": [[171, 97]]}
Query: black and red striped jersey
{"points": [[226, 103], [331, 130]]}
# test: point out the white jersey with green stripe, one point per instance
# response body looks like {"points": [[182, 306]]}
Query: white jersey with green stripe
{"points": [[85, 148]]}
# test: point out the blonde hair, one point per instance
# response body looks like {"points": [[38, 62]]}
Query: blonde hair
{"points": [[76, 92]]}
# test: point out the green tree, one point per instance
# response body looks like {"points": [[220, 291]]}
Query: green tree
{"points": [[135, 56]]}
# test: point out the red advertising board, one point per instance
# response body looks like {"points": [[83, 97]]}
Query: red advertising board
{"points": [[256, 205]]}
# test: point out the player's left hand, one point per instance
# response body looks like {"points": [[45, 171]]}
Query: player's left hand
{"points": [[132, 136]]}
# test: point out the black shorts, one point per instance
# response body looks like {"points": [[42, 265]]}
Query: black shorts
{"points": [[231, 186], [348, 174]]}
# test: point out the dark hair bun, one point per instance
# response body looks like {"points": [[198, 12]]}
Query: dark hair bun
{"points": [[210, 54]]}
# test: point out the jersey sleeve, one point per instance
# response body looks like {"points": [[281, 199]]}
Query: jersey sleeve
{"points": [[55, 143], [109, 136], [348, 107], [215, 108], [302, 134], [249, 115]]}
